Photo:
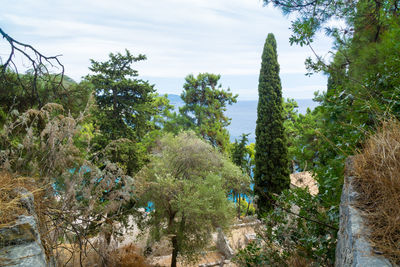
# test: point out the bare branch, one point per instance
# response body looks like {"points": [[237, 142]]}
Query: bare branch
{"points": [[38, 62]]}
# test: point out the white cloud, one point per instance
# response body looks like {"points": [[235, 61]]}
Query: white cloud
{"points": [[302, 92], [178, 36]]}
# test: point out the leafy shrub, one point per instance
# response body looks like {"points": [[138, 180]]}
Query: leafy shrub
{"points": [[298, 227], [255, 254], [184, 181], [246, 209]]}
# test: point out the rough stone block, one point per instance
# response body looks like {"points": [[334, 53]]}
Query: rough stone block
{"points": [[20, 243], [223, 245], [352, 247]]}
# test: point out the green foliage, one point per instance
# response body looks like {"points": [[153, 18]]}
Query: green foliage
{"points": [[363, 89], [290, 115], [240, 154], [205, 104], [271, 173], [251, 150], [3, 117], [163, 114], [75, 98], [313, 15], [286, 233], [361, 92], [246, 208], [125, 104], [303, 136], [242, 158], [127, 110], [235, 181], [185, 184], [255, 255], [17, 92]]}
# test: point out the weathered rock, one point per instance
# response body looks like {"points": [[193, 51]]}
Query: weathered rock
{"points": [[20, 243], [352, 247], [247, 224], [250, 237], [223, 245], [26, 199], [220, 263]]}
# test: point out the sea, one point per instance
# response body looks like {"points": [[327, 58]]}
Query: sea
{"points": [[243, 115]]}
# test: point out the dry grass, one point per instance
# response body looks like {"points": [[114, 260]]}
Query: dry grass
{"points": [[68, 256], [127, 256], [378, 182], [299, 261], [10, 204]]}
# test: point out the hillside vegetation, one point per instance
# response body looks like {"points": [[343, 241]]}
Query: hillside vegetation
{"points": [[108, 150]]}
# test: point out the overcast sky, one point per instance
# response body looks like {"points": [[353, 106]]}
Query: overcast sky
{"points": [[177, 36]]}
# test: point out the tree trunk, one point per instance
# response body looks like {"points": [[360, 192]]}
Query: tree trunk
{"points": [[175, 248], [176, 240], [239, 207]]}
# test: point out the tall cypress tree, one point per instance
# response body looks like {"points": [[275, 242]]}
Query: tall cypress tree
{"points": [[272, 168]]}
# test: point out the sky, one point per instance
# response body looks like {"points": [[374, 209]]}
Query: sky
{"points": [[179, 37]]}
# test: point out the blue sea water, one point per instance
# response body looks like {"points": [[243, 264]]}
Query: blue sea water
{"points": [[244, 115]]}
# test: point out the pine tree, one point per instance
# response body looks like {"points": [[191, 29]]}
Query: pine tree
{"points": [[205, 107], [125, 107], [125, 103], [271, 172]]}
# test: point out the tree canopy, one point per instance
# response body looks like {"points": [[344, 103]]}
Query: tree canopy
{"points": [[187, 185], [205, 105], [362, 91], [123, 100], [271, 171]]}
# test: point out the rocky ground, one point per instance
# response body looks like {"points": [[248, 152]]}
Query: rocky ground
{"points": [[220, 249]]}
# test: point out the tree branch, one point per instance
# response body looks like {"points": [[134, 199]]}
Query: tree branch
{"points": [[38, 61]]}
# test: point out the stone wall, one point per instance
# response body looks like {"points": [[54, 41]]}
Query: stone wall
{"points": [[20, 243], [352, 248], [223, 245]]}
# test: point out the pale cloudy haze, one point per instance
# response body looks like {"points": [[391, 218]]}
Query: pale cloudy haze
{"points": [[177, 36]]}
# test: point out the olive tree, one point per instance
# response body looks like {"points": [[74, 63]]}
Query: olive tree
{"points": [[185, 181]]}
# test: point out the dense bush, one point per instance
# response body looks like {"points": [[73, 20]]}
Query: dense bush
{"points": [[77, 199], [298, 227]]}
